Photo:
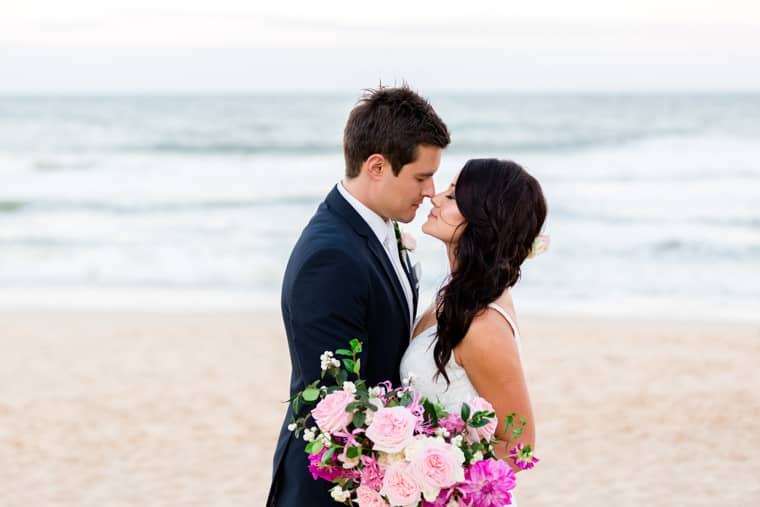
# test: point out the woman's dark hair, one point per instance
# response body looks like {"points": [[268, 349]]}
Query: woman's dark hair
{"points": [[392, 122], [504, 209]]}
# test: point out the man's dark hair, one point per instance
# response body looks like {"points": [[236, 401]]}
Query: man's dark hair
{"points": [[392, 122]]}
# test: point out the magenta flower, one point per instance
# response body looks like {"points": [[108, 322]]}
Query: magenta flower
{"points": [[488, 484], [452, 422], [372, 474], [443, 498], [328, 472], [523, 457]]}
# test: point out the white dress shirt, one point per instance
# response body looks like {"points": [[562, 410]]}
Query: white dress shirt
{"points": [[386, 235]]}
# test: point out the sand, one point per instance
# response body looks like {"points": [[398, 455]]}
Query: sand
{"points": [[135, 408]]}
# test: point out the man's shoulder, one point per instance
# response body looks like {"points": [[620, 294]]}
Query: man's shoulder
{"points": [[328, 238], [327, 230]]}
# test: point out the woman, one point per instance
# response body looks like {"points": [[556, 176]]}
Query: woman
{"points": [[467, 344]]}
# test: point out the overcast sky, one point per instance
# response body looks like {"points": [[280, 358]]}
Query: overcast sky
{"points": [[235, 45]]}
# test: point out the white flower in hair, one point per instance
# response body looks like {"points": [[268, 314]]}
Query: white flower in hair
{"points": [[540, 245]]}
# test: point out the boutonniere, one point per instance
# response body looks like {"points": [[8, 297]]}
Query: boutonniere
{"points": [[405, 240]]}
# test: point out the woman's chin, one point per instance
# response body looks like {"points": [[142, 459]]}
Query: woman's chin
{"points": [[428, 229]]}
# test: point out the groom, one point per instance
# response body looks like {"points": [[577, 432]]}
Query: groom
{"points": [[346, 277]]}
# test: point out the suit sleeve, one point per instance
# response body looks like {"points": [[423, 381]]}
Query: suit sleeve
{"points": [[328, 308]]}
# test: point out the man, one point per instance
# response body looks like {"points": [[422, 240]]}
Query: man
{"points": [[346, 277]]}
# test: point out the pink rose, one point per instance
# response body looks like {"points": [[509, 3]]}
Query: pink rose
{"points": [[368, 497], [399, 485], [330, 413], [392, 429], [484, 432], [436, 465]]}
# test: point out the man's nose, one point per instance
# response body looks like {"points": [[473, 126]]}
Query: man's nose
{"points": [[429, 189]]}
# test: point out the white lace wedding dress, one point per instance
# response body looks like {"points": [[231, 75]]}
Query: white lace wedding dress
{"points": [[418, 360]]}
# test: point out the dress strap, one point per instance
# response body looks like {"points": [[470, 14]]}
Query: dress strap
{"points": [[504, 314]]}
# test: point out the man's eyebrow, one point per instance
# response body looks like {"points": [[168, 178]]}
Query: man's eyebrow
{"points": [[427, 175]]}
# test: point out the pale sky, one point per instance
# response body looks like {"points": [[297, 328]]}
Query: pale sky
{"points": [[244, 45]]}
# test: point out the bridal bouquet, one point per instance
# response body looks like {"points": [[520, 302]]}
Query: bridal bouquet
{"points": [[381, 445]]}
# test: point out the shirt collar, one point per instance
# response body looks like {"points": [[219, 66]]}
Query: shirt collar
{"points": [[380, 227]]}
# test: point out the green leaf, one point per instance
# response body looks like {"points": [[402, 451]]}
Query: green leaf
{"points": [[344, 352], [352, 452], [341, 377], [431, 413], [327, 455], [297, 405], [509, 419], [310, 394], [357, 366], [465, 412], [359, 419], [353, 406], [478, 423], [406, 399], [350, 364], [517, 432], [314, 447], [356, 345]]}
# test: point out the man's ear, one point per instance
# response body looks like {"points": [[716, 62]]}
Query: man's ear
{"points": [[375, 165]]}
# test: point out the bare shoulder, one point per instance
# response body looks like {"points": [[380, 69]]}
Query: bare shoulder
{"points": [[488, 329], [489, 339]]}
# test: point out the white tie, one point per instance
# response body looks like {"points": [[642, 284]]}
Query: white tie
{"points": [[391, 247]]}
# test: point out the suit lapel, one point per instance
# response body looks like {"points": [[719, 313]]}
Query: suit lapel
{"points": [[406, 263], [339, 205], [412, 276], [382, 257]]}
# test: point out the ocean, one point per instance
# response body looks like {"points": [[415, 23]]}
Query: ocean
{"points": [[654, 200]]}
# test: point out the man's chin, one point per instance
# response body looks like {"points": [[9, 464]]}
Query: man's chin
{"points": [[406, 218]]}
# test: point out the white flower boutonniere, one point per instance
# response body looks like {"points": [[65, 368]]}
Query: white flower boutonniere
{"points": [[408, 242], [405, 240]]}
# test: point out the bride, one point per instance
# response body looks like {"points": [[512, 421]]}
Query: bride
{"points": [[467, 343]]}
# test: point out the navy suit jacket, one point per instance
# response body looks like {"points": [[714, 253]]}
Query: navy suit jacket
{"points": [[339, 284]]}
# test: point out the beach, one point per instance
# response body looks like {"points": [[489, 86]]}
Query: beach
{"points": [[153, 408]]}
